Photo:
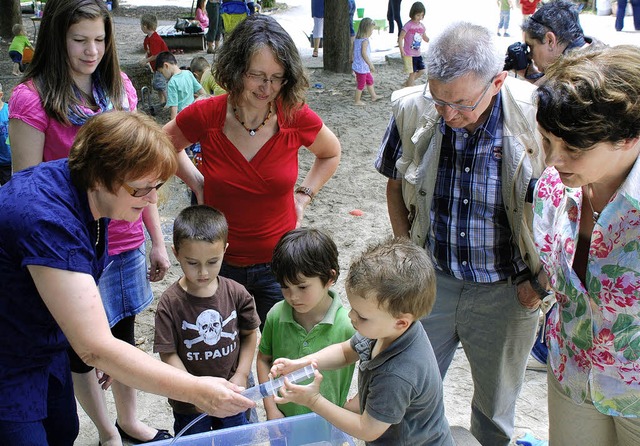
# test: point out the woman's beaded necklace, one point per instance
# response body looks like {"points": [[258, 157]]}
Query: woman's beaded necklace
{"points": [[252, 132]]}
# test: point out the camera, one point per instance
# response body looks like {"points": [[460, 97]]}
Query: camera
{"points": [[517, 57]]}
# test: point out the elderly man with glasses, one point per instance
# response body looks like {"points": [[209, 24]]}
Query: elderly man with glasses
{"points": [[462, 156]]}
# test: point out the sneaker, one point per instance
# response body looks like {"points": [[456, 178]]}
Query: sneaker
{"points": [[499, 35], [528, 439], [506, 35]]}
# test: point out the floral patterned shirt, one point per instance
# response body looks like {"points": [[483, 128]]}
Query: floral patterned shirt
{"points": [[593, 333]]}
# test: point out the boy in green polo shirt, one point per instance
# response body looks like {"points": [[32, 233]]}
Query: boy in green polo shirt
{"points": [[305, 263]]}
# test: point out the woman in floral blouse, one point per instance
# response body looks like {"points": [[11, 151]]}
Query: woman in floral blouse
{"points": [[587, 229]]}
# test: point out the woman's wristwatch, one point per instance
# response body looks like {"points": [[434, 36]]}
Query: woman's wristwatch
{"points": [[305, 190]]}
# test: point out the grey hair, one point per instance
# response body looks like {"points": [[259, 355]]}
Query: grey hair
{"points": [[464, 48]]}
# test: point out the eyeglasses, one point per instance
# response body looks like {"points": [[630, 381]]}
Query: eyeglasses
{"points": [[261, 80], [457, 107], [142, 191]]}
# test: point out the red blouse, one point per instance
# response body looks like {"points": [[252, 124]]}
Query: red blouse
{"points": [[255, 196]]}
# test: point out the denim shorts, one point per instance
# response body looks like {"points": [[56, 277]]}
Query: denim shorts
{"points": [[159, 81], [124, 286]]}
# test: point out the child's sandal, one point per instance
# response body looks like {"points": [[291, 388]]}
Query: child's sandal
{"points": [[315, 53]]}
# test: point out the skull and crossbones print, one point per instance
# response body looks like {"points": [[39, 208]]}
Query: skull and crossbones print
{"points": [[209, 325]]}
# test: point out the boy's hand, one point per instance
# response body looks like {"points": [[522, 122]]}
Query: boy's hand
{"points": [[239, 379], [284, 366], [303, 395]]}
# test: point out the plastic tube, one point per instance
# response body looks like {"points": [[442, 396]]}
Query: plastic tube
{"points": [[256, 393], [271, 387]]}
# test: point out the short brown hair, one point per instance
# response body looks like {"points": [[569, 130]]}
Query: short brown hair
{"points": [[119, 146], [199, 222], [398, 274], [305, 252]]}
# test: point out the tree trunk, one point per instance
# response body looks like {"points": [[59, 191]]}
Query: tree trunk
{"points": [[10, 16], [336, 40]]}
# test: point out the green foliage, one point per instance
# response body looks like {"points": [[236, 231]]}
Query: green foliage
{"points": [[268, 3]]}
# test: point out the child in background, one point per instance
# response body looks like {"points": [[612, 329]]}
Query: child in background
{"points": [[202, 71], [5, 150], [205, 324], [362, 65], [305, 263], [202, 18], [182, 86], [154, 45], [505, 13], [16, 49], [390, 287], [409, 40]]}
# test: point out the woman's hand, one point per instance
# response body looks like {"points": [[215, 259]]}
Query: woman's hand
{"points": [[301, 203], [220, 398], [158, 262], [104, 380]]}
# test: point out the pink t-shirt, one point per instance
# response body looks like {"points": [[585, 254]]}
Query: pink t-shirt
{"points": [[25, 105], [202, 18], [413, 38]]}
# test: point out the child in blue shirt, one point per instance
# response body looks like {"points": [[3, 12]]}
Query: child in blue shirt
{"points": [[182, 86]]}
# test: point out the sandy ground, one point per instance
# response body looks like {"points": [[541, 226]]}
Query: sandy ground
{"points": [[355, 185]]}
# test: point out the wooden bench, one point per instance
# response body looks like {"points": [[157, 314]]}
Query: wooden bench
{"points": [[178, 39]]}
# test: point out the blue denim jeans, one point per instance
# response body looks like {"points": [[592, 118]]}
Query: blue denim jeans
{"points": [[207, 423], [60, 428], [504, 20], [260, 282]]}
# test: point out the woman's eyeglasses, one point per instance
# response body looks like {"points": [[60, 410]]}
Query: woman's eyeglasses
{"points": [[142, 191], [258, 79]]}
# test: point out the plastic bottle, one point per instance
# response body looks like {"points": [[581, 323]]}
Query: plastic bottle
{"points": [[271, 387]]}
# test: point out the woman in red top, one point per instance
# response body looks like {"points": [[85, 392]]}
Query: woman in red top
{"points": [[250, 140]]}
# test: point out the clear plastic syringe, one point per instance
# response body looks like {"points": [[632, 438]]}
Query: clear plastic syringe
{"points": [[271, 387]]}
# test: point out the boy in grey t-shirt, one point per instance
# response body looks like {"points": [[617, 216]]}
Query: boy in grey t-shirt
{"points": [[389, 287]]}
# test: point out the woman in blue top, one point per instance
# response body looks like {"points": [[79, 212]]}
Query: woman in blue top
{"points": [[52, 251]]}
